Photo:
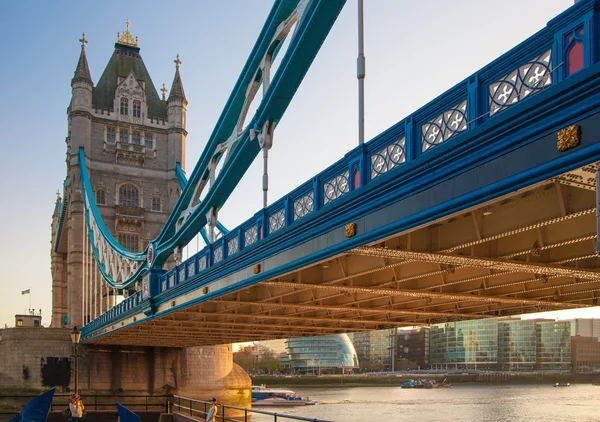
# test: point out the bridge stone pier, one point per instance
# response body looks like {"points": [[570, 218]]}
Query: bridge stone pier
{"points": [[36, 359]]}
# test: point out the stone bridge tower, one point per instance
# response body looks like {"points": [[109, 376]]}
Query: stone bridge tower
{"points": [[133, 141]]}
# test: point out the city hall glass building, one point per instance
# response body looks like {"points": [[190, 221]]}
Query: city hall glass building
{"points": [[323, 354]]}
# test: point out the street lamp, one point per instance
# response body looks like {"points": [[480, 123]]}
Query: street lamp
{"points": [[75, 336]]}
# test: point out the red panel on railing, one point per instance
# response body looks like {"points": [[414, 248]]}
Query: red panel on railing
{"points": [[575, 58]]}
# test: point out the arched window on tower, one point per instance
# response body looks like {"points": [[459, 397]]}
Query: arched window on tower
{"points": [[129, 196], [100, 196], [136, 138], [137, 108], [110, 135], [124, 106]]}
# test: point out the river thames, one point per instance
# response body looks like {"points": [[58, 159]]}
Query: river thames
{"points": [[481, 402]]}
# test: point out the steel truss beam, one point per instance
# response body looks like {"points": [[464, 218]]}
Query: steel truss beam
{"points": [[476, 262], [426, 294], [521, 229]]}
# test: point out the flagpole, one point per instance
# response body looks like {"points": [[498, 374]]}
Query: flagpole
{"points": [[360, 74]]}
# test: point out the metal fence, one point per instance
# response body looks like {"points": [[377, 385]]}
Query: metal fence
{"points": [[91, 402], [193, 407]]}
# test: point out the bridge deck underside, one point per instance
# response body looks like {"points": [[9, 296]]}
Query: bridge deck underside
{"points": [[531, 251]]}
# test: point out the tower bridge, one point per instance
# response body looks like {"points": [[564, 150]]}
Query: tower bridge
{"points": [[480, 204]]}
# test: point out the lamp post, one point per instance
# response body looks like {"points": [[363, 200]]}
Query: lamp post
{"points": [[75, 336]]}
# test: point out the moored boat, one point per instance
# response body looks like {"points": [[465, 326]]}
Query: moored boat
{"points": [[263, 396], [562, 384], [424, 384]]}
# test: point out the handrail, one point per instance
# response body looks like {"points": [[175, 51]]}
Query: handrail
{"points": [[100, 401], [222, 417]]}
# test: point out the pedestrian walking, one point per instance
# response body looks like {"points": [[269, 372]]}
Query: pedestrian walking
{"points": [[211, 416]]}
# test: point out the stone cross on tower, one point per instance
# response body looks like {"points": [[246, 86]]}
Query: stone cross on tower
{"points": [[164, 92], [83, 41], [177, 62]]}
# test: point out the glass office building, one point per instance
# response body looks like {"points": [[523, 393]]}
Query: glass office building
{"points": [[323, 354], [374, 349], [469, 344], [517, 343], [553, 345]]}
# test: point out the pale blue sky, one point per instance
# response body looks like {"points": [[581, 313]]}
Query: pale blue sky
{"points": [[415, 51]]}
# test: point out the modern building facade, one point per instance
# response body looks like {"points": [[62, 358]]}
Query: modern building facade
{"points": [[323, 354], [585, 354], [517, 345], [412, 349], [374, 349], [133, 140], [553, 345], [471, 344], [497, 344]]}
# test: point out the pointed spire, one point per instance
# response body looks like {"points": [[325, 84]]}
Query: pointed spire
{"points": [[57, 204], [164, 92], [177, 92], [82, 72]]}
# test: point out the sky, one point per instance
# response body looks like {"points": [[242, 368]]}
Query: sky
{"points": [[415, 50]]}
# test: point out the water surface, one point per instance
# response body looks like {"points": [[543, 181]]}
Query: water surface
{"points": [[481, 402]]}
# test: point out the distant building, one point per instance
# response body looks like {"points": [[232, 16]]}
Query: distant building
{"points": [[585, 327], [471, 344], [26, 321], [553, 350], [374, 349], [412, 349], [323, 354], [517, 345], [585, 354]]}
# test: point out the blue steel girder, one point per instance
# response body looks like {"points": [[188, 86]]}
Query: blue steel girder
{"points": [[314, 20], [398, 164]]}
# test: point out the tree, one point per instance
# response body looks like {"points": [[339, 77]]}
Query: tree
{"points": [[244, 358]]}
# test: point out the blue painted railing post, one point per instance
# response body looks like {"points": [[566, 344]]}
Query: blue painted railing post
{"points": [[240, 236], [355, 167], [150, 289], [558, 58], [288, 207], [475, 112], [317, 194], [413, 144]]}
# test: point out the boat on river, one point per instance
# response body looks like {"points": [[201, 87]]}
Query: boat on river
{"points": [[263, 396], [562, 384], [425, 384]]}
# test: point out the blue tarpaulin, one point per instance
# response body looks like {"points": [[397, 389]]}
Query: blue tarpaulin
{"points": [[36, 410], [126, 415]]}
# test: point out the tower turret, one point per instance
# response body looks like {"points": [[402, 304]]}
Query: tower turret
{"points": [[80, 108], [176, 110]]}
